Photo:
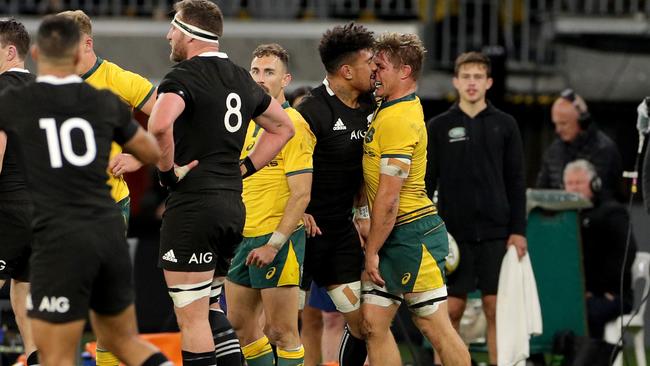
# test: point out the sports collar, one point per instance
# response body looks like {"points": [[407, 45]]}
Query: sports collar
{"points": [[405, 98], [286, 105], [92, 70], [327, 87], [213, 54], [18, 69], [54, 80]]}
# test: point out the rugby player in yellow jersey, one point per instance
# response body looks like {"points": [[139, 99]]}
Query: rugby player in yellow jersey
{"points": [[407, 242], [266, 270], [134, 90]]}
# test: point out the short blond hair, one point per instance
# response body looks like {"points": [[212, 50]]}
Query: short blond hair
{"points": [[403, 49], [82, 20]]}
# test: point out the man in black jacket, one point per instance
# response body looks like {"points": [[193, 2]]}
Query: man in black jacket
{"points": [[604, 237], [475, 160], [578, 138]]}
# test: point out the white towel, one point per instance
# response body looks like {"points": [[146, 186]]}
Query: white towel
{"points": [[518, 312]]}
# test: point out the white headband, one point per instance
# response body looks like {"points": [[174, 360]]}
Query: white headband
{"points": [[194, 31]]}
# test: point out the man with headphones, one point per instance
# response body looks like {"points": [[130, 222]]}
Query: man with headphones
{"points": [[578, 138], [603, 230]]}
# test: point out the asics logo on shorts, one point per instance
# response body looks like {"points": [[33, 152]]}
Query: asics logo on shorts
{"points": [[270, 273], [170, 257], [53, 304], [406, 278]]}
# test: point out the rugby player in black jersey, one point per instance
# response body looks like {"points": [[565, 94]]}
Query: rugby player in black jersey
{"points": [[63, 129], [15, 205], [202, 113], [338, 112]]}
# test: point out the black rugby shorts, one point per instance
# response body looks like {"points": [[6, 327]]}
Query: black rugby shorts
{"points": [[200, 231], [335, 257], [79, 265]]}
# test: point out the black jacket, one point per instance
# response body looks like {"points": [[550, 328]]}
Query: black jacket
{"points": [[604, 235], [592, 145], [477, 164]]}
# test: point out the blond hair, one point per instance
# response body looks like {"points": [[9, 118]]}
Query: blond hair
{"points": [[403, 49], [82, 20]]}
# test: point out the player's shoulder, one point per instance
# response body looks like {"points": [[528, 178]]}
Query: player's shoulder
{"points": [[315, 102], [297, 118], [110, 67], [12, 79]]}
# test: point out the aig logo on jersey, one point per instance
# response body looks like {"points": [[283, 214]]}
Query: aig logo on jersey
{"points": [[201, 258], [457, 134], [3, 265]]}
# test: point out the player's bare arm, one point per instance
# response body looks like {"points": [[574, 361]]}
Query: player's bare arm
{"points": [[300, 193], [143, 147], [166, 110], [383, 216]]}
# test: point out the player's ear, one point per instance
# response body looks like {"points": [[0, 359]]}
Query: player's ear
{"points": [[405, 71], [286, 80], [12, 52], [88, 44], [346, 72], [34, 53]]}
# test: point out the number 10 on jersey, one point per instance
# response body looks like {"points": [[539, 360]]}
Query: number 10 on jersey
{"points": [[61, 141]]}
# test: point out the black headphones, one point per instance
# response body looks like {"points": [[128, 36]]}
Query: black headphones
{"points": [[596, 183], [584, 117]]}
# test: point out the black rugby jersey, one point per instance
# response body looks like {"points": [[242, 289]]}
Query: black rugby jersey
{"points": [[64, 129], [220, 100], [12, 183], [339, 132]]}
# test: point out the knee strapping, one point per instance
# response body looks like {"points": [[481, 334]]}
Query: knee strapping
{"points": [[216, 289], [346, 297], [183, 295], [378, 295], [428, 302], [302, 299]]}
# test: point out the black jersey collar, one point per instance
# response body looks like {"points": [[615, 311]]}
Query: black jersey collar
{"points": [[286, 105], [405, 98], [54, 80], [92, 70]]}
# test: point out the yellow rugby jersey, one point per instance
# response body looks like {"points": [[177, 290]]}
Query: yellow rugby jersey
{"points": [[266, 192], [133, 89], [398, 131]]}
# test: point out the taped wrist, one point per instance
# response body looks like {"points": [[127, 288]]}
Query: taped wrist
{"points": [[168, 178], [362, 212], [277, 240], [248, 164]]}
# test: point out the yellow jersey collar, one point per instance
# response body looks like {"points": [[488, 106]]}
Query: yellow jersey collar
{"points": [[405, 98], [92, 70]]}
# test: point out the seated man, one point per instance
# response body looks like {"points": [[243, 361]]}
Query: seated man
{"points": [[578, 138], [604, 232]]}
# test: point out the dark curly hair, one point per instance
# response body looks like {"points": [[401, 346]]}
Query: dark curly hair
{"points": [[341, 42]]}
